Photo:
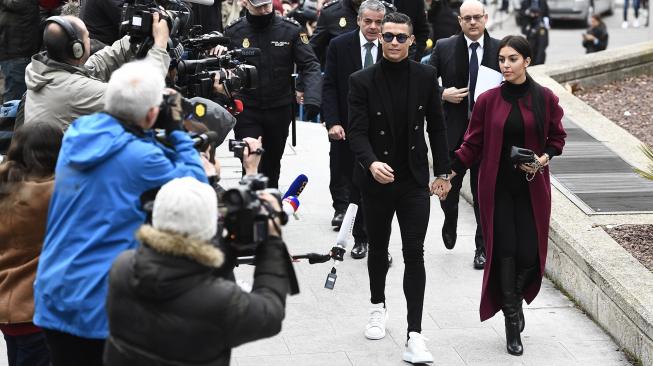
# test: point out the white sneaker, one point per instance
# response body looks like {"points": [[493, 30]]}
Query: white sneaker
{"points": [[416, 351], [624, 25], [375, 328], [636, 23]]}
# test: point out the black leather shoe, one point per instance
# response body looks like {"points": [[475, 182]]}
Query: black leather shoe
{"points": [[337, 219], [389, 260], [479, 260], [359, 251], [449, 235]]}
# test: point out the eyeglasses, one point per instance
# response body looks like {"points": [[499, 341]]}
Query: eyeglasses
{"points": [[468, 18], [401, 37]]}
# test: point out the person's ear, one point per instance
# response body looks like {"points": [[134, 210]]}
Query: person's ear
{"points": [[527, 62], [412, 39]]}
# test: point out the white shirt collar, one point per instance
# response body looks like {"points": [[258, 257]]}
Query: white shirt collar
{"points": [[480, 41], [364, 40]]}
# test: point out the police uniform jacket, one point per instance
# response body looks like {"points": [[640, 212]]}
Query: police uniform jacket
{"points": [[371, 126], [336, 17], [282, 46]]}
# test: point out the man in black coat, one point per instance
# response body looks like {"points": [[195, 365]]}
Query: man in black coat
{"points": [[102, 19], [348, 53], [20, 38], [388, 103], [452, 58], [415, 10]]}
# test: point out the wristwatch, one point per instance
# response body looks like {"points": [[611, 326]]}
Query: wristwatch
{"points": [[443, 176]]}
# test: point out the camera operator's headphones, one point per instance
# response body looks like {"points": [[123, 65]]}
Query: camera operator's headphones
{"points": [[75, 47]]}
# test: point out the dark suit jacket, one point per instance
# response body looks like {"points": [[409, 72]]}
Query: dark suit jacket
{"points": [[450, 57], [343, 59], [371, 125], [417, 14]]}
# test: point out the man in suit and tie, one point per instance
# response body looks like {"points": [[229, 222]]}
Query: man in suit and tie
{"points": [[346, 54], [388, 104], [457, 60]]}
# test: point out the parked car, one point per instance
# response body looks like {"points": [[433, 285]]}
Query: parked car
{"points": [[578, 10]]}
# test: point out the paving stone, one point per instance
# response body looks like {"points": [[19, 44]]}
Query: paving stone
{"points": [[313, 359]]}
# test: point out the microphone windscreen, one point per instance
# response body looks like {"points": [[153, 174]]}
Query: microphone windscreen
{"points": [[297, 186], [290, 205], [347, 225]]}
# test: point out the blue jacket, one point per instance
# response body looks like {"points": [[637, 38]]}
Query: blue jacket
{"points": [[94, 212]]}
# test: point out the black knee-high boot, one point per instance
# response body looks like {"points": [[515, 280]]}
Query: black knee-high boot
{"points": [[510, 306], [524, 276]]}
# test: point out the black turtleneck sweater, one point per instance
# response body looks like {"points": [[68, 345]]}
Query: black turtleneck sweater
{"points": [[396, 77], [513, 135]]}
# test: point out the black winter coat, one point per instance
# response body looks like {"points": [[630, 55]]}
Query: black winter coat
{"points": [[166, 306], [20, 31], [102, 18]]}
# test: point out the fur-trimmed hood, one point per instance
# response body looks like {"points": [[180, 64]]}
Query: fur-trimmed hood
{"points": [[180, 246]]}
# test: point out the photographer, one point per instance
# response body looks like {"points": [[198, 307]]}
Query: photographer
{"points": [[64, 82], [108, 162], [165, 304]]}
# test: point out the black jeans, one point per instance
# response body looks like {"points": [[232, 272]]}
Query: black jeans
{"points": [[343, 191], [69, 350], [412, 204], [27, 350], [272, 124], [450, 205]]}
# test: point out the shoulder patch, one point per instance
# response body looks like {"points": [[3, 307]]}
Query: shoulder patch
{"points": [[326, 5], [291, 21], [389, 7], [234, 22]]}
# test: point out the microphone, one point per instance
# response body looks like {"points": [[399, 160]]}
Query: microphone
{"points": [[338, 251], [290, 205], [202, 141], [246, 52], [297, 186], [200, 2]]}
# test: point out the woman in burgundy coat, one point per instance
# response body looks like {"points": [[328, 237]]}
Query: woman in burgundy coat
{"points": [[515, 202]]}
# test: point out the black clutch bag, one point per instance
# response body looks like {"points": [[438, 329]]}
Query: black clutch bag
{"points": [[520, 155]]}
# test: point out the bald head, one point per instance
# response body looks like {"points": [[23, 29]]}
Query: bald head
{"points": [[472, 19], [57, 41]]}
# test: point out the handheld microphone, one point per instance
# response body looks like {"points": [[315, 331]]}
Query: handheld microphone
{"points": [[290, 205], [297, 186], [338, 251], [200, 2]]}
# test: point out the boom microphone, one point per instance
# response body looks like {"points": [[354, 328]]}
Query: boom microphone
{"points": [[297, 186]]}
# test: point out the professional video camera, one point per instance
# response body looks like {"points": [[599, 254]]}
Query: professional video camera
{"points": [[137, 21], [244, 219], [196, 77]]}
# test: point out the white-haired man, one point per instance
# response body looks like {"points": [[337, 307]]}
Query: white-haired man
{"points": [[107, 162]]}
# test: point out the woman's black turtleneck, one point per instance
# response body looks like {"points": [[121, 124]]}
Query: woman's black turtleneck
{"points": [[513, 134], [396, 77], [259, 21]]}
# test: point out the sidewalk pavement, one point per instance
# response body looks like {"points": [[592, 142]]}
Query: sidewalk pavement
{"points": [[325, 327]]}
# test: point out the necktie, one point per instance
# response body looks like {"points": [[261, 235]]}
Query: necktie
{"points": [[473, 73], [368, 54]]}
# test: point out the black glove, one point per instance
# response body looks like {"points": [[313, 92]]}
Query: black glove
{"points": [[170, 113], [311, 111]]}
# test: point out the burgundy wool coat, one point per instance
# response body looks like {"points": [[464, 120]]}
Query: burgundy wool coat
{"points": [[482, 142]]}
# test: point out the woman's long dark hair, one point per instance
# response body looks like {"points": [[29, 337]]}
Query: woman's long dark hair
{"points": [[521, 45], [33, 152]]}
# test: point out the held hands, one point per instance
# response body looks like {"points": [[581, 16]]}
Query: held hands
{"points": [[336, 133], [441, 188], [382, 172], [160, 31], [533, 168], [454, 95]]}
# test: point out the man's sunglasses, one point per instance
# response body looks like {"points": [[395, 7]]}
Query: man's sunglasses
{"points": [[401, 37]]}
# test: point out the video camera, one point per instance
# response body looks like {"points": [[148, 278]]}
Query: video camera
{"points": [[243, 216], [196, 77], [137, 21]]}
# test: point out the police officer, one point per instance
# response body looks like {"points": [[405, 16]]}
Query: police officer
{"points": [[535, 15], [268, 108], [336, 17]]}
